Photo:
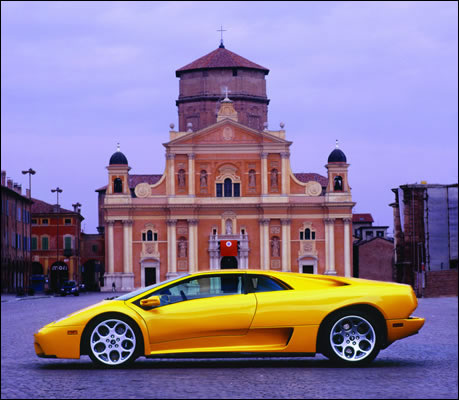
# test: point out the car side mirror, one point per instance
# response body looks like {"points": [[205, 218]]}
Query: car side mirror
{"points": [[152, 301]]}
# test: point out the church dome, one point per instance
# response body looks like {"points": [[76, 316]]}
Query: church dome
{"points": [[337, 156], [118, 158]]}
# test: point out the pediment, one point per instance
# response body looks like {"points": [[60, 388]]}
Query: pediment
{"points": [[227, 132]]}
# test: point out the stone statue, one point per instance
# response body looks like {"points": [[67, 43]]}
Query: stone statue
{"points": [[275, 247], [203, 179], [252, 178], [181, 178], [182, 247], [274, 178], [228, 227]]}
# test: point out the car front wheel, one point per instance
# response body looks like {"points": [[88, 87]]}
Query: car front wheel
{"points": [[113, 341], [352, 338]]}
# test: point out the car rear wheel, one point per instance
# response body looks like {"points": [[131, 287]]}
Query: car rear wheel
{"points": [[352, 337], [113, 341]]}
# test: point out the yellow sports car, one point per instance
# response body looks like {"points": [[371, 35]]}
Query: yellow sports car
{"points": [[242, 312]]}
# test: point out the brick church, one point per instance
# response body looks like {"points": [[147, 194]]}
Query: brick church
{"points": [[228, 197]]}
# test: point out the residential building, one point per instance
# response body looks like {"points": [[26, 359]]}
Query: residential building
{"points": [[15, 234], [425, 233]]}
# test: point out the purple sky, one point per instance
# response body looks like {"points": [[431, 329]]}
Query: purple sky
{"points": [[381, 77]]}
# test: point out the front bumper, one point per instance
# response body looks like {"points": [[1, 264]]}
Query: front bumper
{"points": [[401, 328], [58, 341]]}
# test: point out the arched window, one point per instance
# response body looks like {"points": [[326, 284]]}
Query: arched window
{"points": [[307, 234], [117, 185], [228, 188], [149, 236], [338, 183]]}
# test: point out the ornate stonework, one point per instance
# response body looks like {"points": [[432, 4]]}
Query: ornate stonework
{"points": [[143, 190], [228, 133], [313, 188]]}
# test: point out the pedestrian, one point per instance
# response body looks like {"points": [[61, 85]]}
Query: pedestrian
{"points": [[113, 287]]}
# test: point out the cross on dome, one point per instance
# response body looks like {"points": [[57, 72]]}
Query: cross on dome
{"points": [[221, 30]]}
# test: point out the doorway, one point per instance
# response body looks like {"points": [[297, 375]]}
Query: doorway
{"points": [[150, 276], [228, 262]]}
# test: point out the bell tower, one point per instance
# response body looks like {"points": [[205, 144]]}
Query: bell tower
{"points": [[203, 84], [338, 188]]}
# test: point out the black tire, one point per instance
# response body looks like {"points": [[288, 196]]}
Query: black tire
{"points": [[351, 337], [113, 340]]}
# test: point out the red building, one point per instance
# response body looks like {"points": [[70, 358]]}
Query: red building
{"points": [[75, 256], [15, 233]]}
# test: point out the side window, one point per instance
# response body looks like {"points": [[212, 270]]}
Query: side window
{"points": [[260, 283], [202, 287]]}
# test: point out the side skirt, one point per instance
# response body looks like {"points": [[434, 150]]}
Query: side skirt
{"points": [[231, 355]]}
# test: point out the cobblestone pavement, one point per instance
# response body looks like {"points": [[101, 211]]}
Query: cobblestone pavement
{"points": [[421, 366]]}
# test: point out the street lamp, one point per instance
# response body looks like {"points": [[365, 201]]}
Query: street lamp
{"points": [[76, 208], [31, 172], [57, 191]]}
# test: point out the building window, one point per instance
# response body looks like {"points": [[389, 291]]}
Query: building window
{"points": [[44, 221], [338, 183], [34, 221], [118, 185], [18, 240], [67, 242], [44, 243], [18, 214], [307, 233], [149, 236], [94, 248], [228, 187], [234, 72], [68, 221], [34, 243], [368, 234], [380, 233]]}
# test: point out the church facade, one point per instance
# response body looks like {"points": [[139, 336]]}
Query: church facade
{"points": [[228, 197]]}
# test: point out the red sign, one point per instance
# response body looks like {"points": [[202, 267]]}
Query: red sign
{"points": [[228, 248]]}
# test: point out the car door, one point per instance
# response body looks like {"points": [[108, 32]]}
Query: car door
{"points": [[203, 306]]}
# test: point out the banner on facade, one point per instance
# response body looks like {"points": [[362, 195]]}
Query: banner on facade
{"points": [[228, 248]]}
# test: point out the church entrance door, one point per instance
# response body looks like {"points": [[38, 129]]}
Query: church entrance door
{"points": [[228, 262]]}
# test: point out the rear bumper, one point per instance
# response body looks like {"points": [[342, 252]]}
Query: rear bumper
{"points": [[401, 328]]}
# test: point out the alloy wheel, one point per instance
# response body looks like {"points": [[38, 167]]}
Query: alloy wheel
{"points": [[112, 342]]}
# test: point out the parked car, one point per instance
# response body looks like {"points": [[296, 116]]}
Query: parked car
{"points": [[239, 312], [69, 287]]}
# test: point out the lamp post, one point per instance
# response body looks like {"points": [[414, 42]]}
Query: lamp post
{"points": [[30, 172], [57, 191], [76, 208]]}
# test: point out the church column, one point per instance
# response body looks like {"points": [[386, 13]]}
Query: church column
{"points": [[330, 246], [286, 245], [126, 250], [347, 247], [285, 176], [111, 248], [171, 248], [264, 243], [264, 173], [191, 174], [193, 245], [171, 173]]}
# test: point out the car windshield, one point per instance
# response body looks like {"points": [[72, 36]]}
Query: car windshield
{"points": [[69, 283], [135, 293]]}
